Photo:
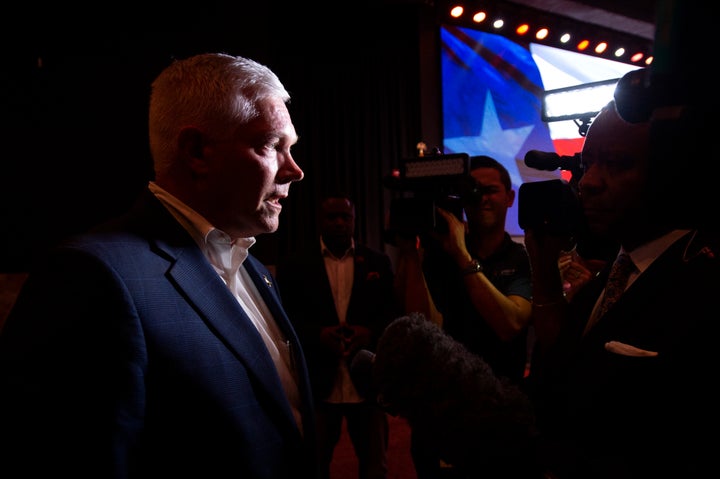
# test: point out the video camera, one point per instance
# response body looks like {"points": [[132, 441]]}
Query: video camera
{"points": [[423, 184], [551, 205]]}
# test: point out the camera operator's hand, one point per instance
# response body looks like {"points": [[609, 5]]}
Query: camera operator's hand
{"points": [[453, 242]]}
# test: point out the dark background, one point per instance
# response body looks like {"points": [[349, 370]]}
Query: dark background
{"points": [[75, 93], [74, 90]]}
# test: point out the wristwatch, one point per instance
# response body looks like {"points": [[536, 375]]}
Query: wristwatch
{"points": [[473, 268]]}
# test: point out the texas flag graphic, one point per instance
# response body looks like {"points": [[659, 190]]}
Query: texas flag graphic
{"points": [[492, 93]]}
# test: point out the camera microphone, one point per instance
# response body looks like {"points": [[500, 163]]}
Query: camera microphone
{"points": [[549, 161], [478, 422], [361, 373]]}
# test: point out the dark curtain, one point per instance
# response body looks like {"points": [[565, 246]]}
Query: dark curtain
{"points": [[357, 116], [75, 113]]}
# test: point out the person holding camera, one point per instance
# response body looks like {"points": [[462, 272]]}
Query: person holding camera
{"points": [[340, 297], [475, 280], [621, 374]]}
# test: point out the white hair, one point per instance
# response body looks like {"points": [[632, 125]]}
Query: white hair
{"points": [[213, 91]]}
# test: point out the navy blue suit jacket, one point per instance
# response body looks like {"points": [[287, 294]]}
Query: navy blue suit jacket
{"points": [[127, 356]]}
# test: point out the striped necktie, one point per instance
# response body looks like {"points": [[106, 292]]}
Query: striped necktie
{"points": [[617, 280], [621, 270]]}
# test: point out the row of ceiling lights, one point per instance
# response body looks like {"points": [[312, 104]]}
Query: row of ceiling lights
{"points": [[635, 52]]}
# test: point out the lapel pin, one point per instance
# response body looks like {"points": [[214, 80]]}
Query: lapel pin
{"points": [[267, 281]]}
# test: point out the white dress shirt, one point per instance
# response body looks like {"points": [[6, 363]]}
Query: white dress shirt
{"points": [[340, 272]]}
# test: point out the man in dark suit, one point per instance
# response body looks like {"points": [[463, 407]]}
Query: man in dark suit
{"points": [[340, 296], [156, 345], [629, 393]]}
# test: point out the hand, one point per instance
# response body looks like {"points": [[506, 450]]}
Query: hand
{"points": [[359, 339], [453, 242], [332, 338], [576, 271], [542, 246]]}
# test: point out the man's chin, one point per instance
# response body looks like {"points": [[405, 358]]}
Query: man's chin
{"points": [[271, 224]]}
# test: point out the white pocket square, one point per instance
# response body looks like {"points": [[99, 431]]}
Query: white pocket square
{"points": [[627, 350]]}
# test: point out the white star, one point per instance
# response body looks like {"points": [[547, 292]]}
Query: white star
{"points": [[503, 145]]}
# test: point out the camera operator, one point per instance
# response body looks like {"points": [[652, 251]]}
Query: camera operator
{"points": [[628, 392], [476, 281]]}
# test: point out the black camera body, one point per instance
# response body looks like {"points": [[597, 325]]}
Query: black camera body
{"points": [[550, 205], [553, 206], [422, 185]]}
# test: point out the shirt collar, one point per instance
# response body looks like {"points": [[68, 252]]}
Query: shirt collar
{"points": [[198, 227], [325, 251], [644, 255]]}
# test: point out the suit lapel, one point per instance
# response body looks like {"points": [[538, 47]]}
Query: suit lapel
{"points": [[317, 270], [360, 269], [197, 281], [265, 285], [196, 278], [642, 292]]}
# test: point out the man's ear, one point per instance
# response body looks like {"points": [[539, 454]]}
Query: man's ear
{"points": [[191, 142], [511, 197]]}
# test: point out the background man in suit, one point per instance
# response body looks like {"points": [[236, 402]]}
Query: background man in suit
{"points": [[340, 297], [156, 345], [628, 393]]}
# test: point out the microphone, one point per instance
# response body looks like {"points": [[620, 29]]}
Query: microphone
{"points": [[549, 161], [477, 421], [361, 373]]}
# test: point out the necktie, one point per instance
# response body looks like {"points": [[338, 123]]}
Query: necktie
{"points": [[617, 280]]}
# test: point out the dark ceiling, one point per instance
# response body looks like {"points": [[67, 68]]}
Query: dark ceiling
{"points": [[643, 10], [636, 17]]}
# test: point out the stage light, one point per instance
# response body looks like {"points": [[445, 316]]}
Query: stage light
{"points": [[577, 102], [479, 17], [637, 57], [492, 17]]}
